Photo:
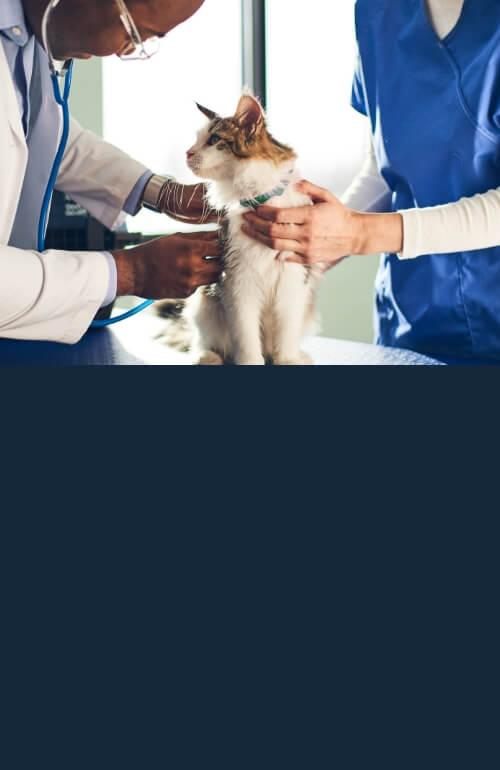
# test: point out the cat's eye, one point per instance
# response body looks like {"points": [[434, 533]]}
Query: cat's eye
{"points": [[214, 139]]}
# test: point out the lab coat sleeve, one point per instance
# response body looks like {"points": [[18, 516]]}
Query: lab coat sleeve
{"points": [[52, 296], [97, 175]]}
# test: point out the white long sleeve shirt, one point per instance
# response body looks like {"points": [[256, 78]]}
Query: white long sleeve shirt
{"points": [[468, 225]]}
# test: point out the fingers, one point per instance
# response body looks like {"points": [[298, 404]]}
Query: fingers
{"points": [[274, 236], [208, 219], [302, 214], [207, 247], [274, 243], [205, 243], [286, 232], [297, 259], [209, 273], [317, 194], [297, 216], [206, 272]]}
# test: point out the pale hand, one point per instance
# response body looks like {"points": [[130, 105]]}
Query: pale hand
{"points": [[325, 232]]}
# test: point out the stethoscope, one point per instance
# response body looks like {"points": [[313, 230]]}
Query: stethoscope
{"points": [[61, 76]]}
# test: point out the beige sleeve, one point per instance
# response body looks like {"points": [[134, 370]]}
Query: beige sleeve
{"points": [[469, 225]]}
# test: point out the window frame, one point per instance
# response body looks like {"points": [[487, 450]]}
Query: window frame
{"points": [[254, 32]]}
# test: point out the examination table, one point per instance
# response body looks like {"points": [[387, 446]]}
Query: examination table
{"points": [[133, 343]]}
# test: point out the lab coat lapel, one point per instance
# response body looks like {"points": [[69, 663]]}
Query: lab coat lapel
{"points": [[8, 94], [13, 151], [43, 140]]}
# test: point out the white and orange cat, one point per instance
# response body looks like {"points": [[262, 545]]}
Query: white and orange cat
{"points": [[264, 306]]}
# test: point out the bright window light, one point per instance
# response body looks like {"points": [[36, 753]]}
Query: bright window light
{"points": [[311, 60], [149, 106]]}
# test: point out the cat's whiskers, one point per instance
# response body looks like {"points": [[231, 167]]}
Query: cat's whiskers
{"points": [[195, 190]]}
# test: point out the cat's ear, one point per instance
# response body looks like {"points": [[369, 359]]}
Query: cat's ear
{"points": [[208, 113], [249, 114]]}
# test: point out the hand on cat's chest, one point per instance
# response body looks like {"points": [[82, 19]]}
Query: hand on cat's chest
{"points": [[275, 235]]}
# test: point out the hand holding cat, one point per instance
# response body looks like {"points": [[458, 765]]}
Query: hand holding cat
{"points": [[325, 232]]}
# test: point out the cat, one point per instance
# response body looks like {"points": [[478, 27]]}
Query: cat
{"points": [[261, 310]]}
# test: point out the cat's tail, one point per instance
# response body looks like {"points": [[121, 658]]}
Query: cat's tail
{"points": [[178, 331]]}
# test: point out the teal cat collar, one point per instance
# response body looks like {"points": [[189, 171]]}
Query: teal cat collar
{"points": [[260, 200]]}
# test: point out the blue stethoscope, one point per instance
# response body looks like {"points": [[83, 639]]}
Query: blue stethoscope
{"points": [[65, 74]]}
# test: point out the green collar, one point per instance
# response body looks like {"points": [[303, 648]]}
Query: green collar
{"points": [[260, 200]]}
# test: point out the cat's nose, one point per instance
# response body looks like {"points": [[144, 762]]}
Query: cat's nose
{"points": [[190, 154]]}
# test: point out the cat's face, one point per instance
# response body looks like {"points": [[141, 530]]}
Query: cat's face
{"points": [[225, 143]]}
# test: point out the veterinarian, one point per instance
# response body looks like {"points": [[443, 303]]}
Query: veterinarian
{"points": [[428, 81], [55, 295]]}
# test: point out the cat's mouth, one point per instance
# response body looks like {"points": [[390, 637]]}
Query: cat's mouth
{"points": [[194, 164]]}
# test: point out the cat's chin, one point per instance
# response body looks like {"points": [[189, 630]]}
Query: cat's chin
{"points": [[208, 177], [213, 174]]}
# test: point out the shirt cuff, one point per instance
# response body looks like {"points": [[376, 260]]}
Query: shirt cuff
{"points": [[133, 203], [412, 226], [112, 280]]}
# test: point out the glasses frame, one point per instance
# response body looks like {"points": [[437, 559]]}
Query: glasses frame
{"points": [[140, 51]]}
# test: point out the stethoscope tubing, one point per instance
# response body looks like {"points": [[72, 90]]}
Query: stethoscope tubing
{"points": [[62, 100]]}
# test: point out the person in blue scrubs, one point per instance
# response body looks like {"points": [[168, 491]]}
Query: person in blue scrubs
{"points": [[434, 110]]}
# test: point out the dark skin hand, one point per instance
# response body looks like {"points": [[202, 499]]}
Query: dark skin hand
{"points": [[169, 268]]}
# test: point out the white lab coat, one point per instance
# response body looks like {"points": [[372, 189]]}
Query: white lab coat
{"points": [[55, 295]]}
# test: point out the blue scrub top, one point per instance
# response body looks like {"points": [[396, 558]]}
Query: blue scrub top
{"points": [[434, 108]]}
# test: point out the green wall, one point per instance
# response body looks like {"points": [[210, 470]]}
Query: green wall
{"points": [[86, 94], [347, 299]]}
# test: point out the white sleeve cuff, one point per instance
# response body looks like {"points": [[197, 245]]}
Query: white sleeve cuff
{"points": [[113, 280], [412, 227]]}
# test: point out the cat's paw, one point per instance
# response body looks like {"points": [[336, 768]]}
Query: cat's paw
{"points": [[210, 359], [250, 361], [301, 359]]}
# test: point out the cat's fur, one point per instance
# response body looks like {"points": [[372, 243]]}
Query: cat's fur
{"points": [[263, 306]]}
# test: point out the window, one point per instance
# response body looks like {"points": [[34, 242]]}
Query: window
{"points": [[149, 108], [311, 54]]}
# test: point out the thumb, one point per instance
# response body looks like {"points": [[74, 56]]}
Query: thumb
{"points": [[317, 194]]}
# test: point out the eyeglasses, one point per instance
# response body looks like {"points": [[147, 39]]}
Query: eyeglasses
{"points": [[138, 48]]}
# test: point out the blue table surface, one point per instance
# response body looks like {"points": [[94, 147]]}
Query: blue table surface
{"points": [[136, 342], [97, 348], [106, 348]]}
